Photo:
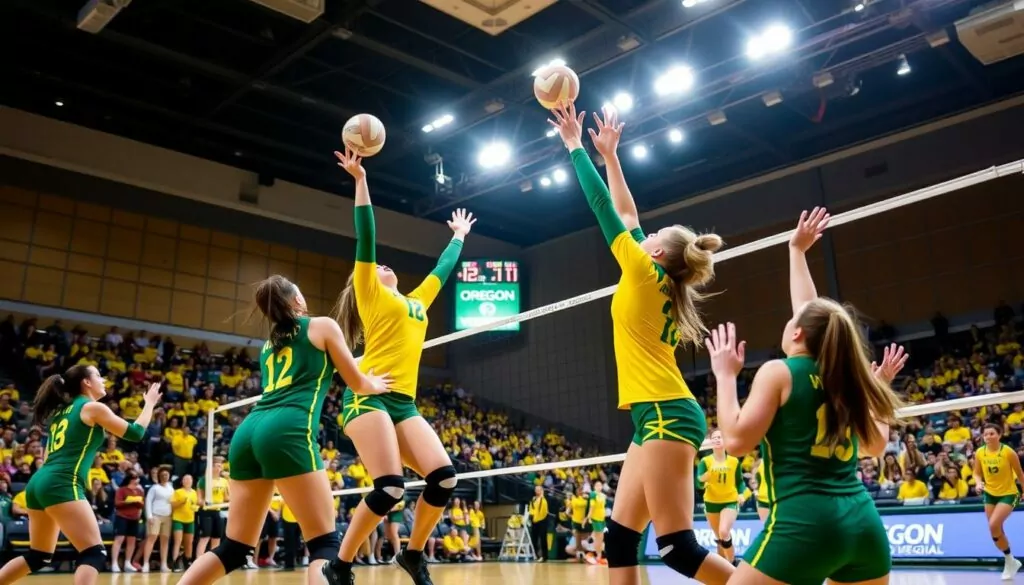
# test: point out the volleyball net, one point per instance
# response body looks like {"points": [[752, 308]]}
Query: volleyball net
{"points": [[488, 350]]}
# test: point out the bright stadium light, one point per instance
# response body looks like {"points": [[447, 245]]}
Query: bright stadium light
{"points": [[551, 133], [689, 3], [904, 66], [773, 40], [560, 176], [675, 135], [545, 182], [622, 102], [494, 155], [639, 152], [677, 79], [438, 123], [552, 63]]}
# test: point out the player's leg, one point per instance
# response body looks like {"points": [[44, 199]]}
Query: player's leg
{"points": [[42, 537], [714, 521], [763, 510], [727, 519], [424, 453], [309, 498], [628, 521], [242, 532], [78, 523], [747, 575], [1001, 510]]}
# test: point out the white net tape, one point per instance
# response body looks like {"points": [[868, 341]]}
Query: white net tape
{"points": [[976, 178]]}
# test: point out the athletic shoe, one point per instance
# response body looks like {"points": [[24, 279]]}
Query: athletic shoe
{"points": [[1010, 569], [416, 567], [145, 568], [114, 568], [335, 573]]}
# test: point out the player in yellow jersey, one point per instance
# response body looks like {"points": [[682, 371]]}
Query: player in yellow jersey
{"points": [[577, 509], [723, 482], [653, 311], [996, 466], [763, 503], [388, 430]]}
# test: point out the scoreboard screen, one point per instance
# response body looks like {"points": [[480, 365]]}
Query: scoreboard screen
{"points": [[486, 291]]}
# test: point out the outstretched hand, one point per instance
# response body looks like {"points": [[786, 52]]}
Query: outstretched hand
{"points": [[569, 125], [809, 229], [609, 130], [727, 352], [461, 222], [893, 360], [352, 163]]}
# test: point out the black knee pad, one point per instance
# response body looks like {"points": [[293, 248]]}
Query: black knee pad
{"points": [[681, 552], [94, 556], [388, 490], [440, 486], [324, 547], [621, 546], [232, 554], [38, 560], [727, 544]]}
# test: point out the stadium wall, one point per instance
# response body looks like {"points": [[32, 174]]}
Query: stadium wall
{"points": [[955, 254]]}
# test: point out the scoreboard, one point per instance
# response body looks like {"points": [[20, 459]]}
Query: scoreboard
{"points": [[486, 291]]}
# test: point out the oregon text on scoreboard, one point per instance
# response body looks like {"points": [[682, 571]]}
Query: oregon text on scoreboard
{"points": [[486, 291]]}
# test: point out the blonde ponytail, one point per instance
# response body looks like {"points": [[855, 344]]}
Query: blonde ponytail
{"points": [[346, 313], [690, 265]]}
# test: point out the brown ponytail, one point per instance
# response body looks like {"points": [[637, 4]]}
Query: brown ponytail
{"points": [[855, 397], [56, 392], [690, 265], [346, 313], [275, 298]]}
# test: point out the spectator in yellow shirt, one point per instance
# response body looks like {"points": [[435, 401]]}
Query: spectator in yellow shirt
{"points": [[97, 471], [956, 435], [455, 549], [175, 380], [183, 446], [911, 488], [952, 488]]}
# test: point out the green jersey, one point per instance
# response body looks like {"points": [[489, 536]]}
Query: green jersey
{"points": [[796, 459], [72, 445], [297, 375]]}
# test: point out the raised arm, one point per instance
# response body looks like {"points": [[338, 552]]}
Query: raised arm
{"points": [[606, 141], [461, 223], [97, 413], [808, 230]]}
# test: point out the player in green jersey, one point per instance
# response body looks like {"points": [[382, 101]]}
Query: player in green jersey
{"points": [[815, 411], [55, 496], [276, 442]]}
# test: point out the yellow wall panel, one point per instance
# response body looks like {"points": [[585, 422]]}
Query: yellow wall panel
{"points": [[89, 237], [187, 309], [93, 212], [118, 298], [156, 276], [158, 251], [44, 285], [82, 292], [52, 230], [333, 282], [16, 223], [286, 253], [218, 315], [335, 265], [13, 251], [244, 325], [56, 204], [189, 282], [86, 264], [153, 304], [310, 280], [124, 244], [220, 288], [121, 270], [18, 196], [316, 306], [252, 268], [251, 246], [13, 279], [311, 259], [224, 240], [127, 219], [165, 227], [244, 292], [285, 269], [223, 264], [192, 258], [194, 234], [48, 257]]}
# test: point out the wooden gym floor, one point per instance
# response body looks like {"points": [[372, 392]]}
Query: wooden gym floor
{"points": [[504, 574]]}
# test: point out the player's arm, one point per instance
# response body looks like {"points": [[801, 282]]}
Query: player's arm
{"points": [[606, 141], [702, 474], [1015, 465], [744, 428], [979, 477], [808, 231], [325, 334], [460, 223], [893, 359], [741, 486], [97, 413]]}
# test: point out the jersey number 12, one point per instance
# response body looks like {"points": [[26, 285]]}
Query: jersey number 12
{"points": [[284, 377], [670, 332]]}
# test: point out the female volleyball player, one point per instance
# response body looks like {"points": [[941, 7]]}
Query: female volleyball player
{"points": [[763, 503], [723, 483], [995, 467], [55, 496], [815, 411], [388, 430], [276, 442], [653, 311], [596, 513]]}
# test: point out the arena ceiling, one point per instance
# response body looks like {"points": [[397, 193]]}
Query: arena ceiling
{"points": [[236, 82]]}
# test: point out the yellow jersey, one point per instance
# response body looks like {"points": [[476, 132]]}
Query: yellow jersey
{"points": [[394, 326], [645, 333], [458, 517], [598, 506], [997, 471], [185, 513], [953, 492], [218, 493], [477, 518], [724, 481], [579, 509], [910, 490], [538, 509], [762, 487]]}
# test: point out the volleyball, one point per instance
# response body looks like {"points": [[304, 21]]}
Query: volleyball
{"points": [[364, 134], [556, 85]]}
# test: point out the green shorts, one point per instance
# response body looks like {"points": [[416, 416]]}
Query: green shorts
{"points": [[398, 407], [763, 505], [49, 488], [597, 525], [275, 445], [396, 517], [669, 420], [580, 527], [186, 527], [990, 500], [713, 508], [858, 546]]}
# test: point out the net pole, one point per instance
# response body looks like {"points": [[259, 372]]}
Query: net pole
{"points": [[208, 473]]}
